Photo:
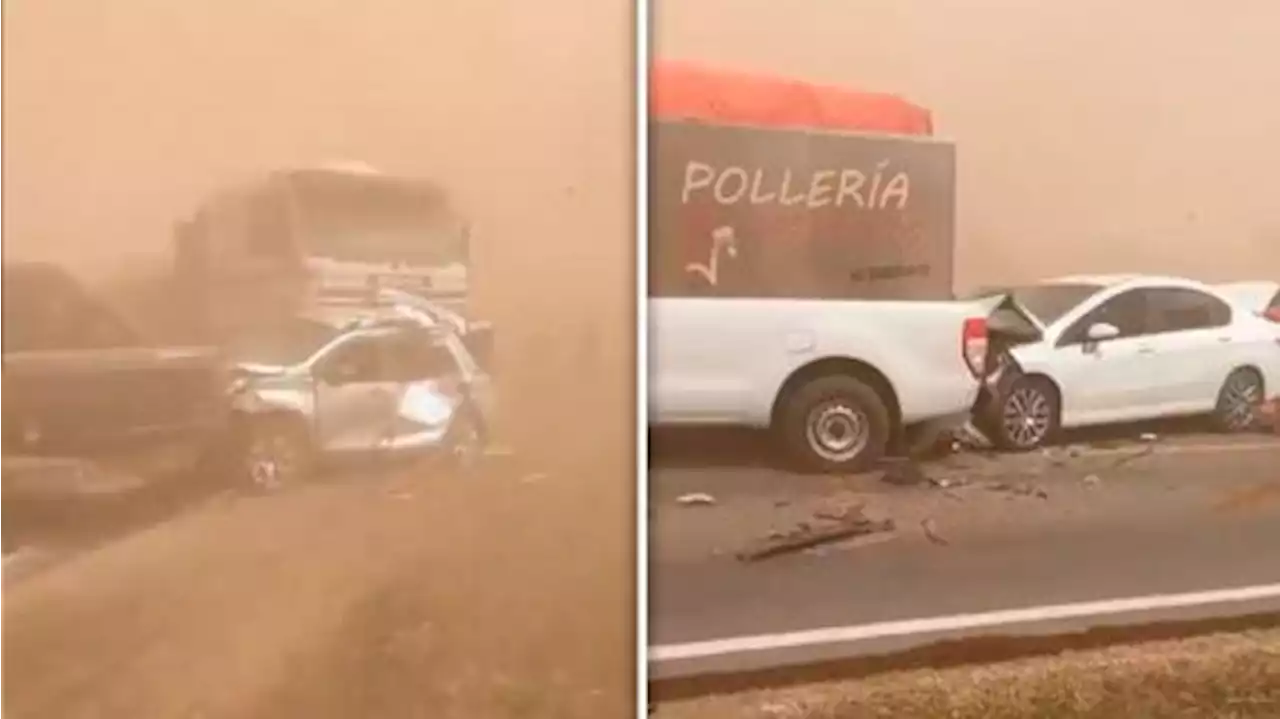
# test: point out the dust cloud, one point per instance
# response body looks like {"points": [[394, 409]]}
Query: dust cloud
{"points": [[121, 117], [1091, 136]]}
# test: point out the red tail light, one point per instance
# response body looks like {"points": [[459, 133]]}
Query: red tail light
{"points": [[973, 345], [1272, 314]]}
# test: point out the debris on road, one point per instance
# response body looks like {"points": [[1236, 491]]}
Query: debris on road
{"points": [[696, 499], [1093, 480], [1131, 456], [971, 438], [930, 528], [806, 536], [904, 473], [1149, 437], [1021, 490]]}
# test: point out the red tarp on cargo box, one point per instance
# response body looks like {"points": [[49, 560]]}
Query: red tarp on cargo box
{"points": [[684, 91]]}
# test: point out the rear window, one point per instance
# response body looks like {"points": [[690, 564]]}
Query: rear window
{"points": [[1051, 302]]}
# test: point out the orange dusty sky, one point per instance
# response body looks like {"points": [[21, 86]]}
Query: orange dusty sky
{"points": [[1092, 135], [120, 115]]}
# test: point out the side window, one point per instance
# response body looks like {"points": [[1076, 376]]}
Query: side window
{"points": [[417, 356], [354, 361], [1177, 309], [1127, 311]]}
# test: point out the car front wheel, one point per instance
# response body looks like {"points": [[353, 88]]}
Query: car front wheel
{"points": [[1026, 415], [274, 453]]}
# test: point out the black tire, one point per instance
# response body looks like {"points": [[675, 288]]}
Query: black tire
{"points": [[849, 404], [465, 441], [1033, 398], [1239, 399], [273, 452]]}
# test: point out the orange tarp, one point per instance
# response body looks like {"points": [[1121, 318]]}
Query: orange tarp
{"points": [[684, 91]]}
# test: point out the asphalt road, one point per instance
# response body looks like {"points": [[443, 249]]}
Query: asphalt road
{"points": [[1188, 519]]}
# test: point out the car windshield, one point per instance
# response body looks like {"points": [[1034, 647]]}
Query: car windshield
{"points": [[1048, 303], [283, 344]]}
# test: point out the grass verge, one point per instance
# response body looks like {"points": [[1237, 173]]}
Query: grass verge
{"points": [[1226, 676]]}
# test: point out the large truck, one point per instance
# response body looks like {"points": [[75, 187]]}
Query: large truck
{"points": [[802, 241], [260, 250]]}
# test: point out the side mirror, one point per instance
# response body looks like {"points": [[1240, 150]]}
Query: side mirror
{"points": [[1100, 331]]}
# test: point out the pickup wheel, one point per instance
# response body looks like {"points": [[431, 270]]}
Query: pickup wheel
{"points": [[834, 424], [275, 452]]}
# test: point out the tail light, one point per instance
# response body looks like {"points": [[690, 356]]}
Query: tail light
{"points": [[1272, 314], [973, 345]]}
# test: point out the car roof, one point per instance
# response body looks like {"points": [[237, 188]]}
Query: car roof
{"points": [[1114, 280], [341, 317]]}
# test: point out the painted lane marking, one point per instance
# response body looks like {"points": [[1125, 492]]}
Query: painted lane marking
{"points": [[982, 620]]}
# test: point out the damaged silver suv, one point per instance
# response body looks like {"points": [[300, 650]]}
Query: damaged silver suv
{"points": [[349, 384]]}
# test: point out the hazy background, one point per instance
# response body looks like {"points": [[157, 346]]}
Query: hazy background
{"points": [[119, 116], [1092, 135]]}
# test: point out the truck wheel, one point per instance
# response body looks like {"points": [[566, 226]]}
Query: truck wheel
{"points": [[834, 424], [275, 452]]}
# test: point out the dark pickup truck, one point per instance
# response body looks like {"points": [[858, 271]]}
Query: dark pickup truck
{"points": [[79, 381]]}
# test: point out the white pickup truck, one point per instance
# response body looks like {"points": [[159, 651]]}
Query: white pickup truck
{"points": [[836, 381]]}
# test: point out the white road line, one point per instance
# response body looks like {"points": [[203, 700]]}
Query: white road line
{"points": [[984, 620], [1208, 448]]}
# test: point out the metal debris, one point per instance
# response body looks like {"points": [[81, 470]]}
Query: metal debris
{"points": [[696, 499], [970, 437], [1131, 456], [931, 532], [1021, 490], [948, 482], [805, 536]]}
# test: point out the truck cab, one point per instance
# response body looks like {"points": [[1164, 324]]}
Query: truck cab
{"points": [[260, 251]]}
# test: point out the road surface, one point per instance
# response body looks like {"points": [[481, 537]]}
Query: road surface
{"points": [[493, 594], [1182, 518]]}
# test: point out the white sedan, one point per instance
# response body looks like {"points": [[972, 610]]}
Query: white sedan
{"points": [[1108, 349]]}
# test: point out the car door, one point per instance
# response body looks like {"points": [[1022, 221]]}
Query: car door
{"points": [[1194, 348], [429, 389], [1110, 380], [355, 394]]}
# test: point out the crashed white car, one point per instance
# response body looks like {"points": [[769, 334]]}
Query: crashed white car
{"points": [[343, 382], [1121, 348]]}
